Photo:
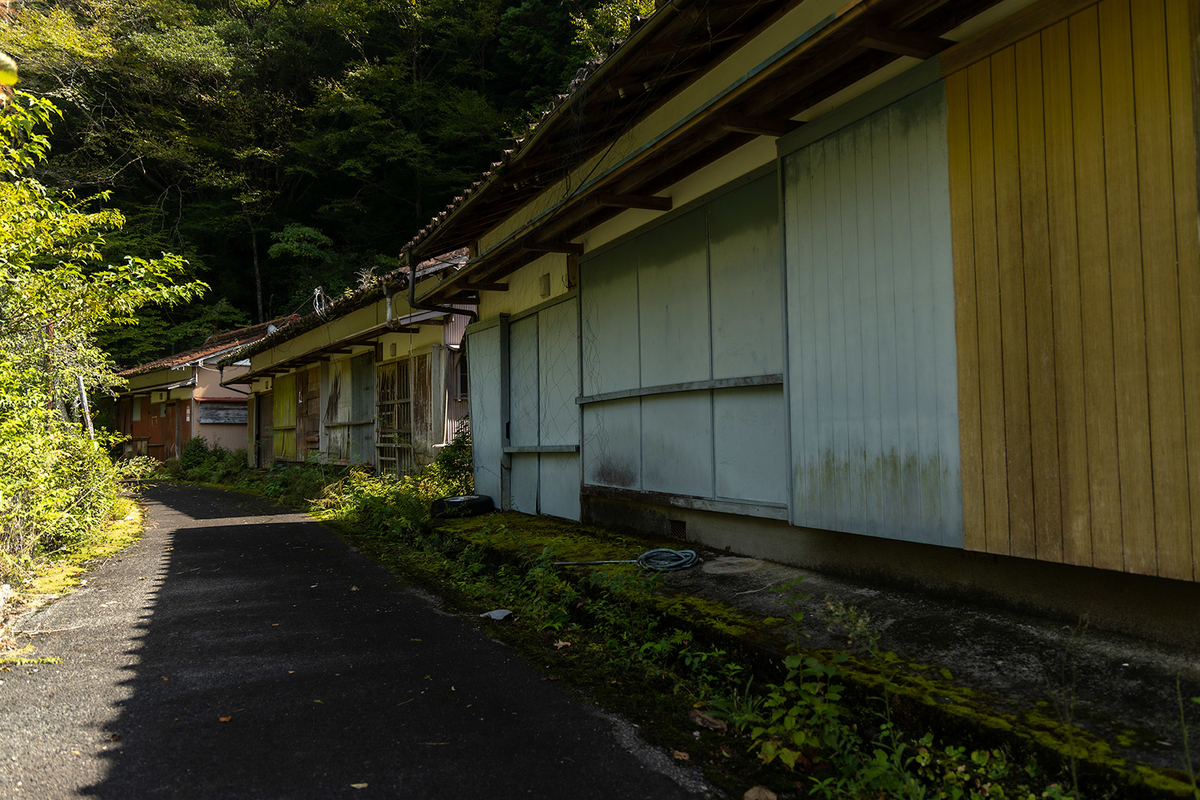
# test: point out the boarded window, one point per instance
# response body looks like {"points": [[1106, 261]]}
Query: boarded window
{"points": [[223, 413]]}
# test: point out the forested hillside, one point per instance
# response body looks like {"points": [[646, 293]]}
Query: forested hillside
{"points": [[285, 144]]}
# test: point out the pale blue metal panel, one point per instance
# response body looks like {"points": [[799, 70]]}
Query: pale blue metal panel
{"points": [[523, 483], [747, 332], [362, 407], [483, 364], [871, 328], [798, 178], [677, 441], [751, 457], [942, 295], [609, 328], [612, 444], [673, 302], [558, 375], [899, 129], [559, 495], [868, 303], [890, 461], [523, 382]]}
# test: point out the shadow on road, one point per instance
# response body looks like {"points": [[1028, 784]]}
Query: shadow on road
{"points": [[276, 662]]}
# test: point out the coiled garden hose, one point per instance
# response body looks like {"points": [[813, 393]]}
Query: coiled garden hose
{"points": [[660, 559]]}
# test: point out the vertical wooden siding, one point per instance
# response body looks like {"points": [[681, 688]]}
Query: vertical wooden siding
{"points": [[870, 308], [1073, 175], [283, 430]]}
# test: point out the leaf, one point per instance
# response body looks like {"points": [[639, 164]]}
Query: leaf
{"points": [[679, 755], [758, 793], [225, 719], [559, 645], [358, 786]]}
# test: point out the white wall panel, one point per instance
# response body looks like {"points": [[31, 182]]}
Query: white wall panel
{"points": [[558, 375], [673, 302], [750, 453], [612, 444], [483, 363], [871, 327], [523, 483], [747, 315], [609, 325], [560, 485], [523, 383], [677, 441]]}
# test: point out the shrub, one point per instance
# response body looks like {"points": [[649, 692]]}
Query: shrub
{"points": [[194, 453]]}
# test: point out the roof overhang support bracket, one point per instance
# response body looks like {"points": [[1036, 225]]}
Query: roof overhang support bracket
{"points": [[740, 123], [650, 202], [903, 43]]}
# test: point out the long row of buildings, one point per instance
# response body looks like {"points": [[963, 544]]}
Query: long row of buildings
{"points": [[900, 287]]}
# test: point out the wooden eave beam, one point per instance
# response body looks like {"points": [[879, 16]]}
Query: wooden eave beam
{"points": [[740, 123], [632, 201], [570, 248], [484, 287], [903, 43]]}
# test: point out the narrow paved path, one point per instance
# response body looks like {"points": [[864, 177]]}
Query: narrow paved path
{"points": [[242, 650]]}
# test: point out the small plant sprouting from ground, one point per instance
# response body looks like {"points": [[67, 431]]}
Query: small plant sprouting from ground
{"points": [[1189, 764], [852, 621]]}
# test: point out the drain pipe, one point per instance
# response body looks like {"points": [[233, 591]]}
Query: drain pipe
{"points": [[412, 294]]}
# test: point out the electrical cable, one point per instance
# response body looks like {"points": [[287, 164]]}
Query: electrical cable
{"points": [[660, 559]]}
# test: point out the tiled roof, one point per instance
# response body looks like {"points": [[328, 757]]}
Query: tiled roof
{"points": [[347, 303], [217, 343]]}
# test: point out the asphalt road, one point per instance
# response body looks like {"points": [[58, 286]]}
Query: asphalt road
{"points": [[242, 650]]}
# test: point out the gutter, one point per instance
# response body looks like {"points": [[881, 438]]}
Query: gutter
{"points": [[160, 387], [472, 314]]}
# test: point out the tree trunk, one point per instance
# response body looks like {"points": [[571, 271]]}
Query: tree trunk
{"points": [[257, 275]]}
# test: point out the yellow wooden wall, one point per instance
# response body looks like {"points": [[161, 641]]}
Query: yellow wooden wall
{"points": [[284, 432], [1077, 291]]}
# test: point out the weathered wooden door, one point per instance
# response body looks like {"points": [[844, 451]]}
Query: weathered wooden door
{"points": [[266, 429], [308, 412], [395, 422]]}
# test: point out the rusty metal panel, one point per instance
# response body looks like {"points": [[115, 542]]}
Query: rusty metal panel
{"points": [[523, 485], [523, 382], [234, 413], [747, 314], [559, 485], [677, 442], [422, 411], [673, 302], [612, 444], [609, 324], [750, 455], [483, 361], [362, 409], [558, 375], [870, 298]]}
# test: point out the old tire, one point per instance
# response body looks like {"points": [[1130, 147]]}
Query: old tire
{"points": [[465, 505]]}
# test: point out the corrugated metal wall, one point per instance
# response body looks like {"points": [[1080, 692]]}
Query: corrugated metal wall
{"points": [[695, 299], [1073, 156], [870, 299]]}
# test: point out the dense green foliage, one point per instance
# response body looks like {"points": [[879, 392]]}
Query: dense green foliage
{"points": [[287, 144], [56, 291]]}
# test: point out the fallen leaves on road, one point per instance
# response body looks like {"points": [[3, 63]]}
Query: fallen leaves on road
{"points": [[225, 719], [560, 645], [358, 786], [680, 755]]}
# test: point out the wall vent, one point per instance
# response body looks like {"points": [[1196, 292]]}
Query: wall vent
{"points": [[677, 529]]}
